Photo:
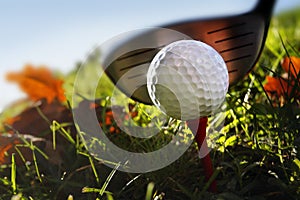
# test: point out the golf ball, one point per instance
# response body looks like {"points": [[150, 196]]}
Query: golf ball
{"points": [[187, 79]]}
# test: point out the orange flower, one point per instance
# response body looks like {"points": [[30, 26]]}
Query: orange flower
{"points": [[284, 85], [277, 86], [38, 83], [291, 65]]}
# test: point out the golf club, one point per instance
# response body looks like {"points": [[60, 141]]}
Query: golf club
{"points": [[239, 39]]}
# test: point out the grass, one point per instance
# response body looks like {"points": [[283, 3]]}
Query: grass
{"points": [[256, 152]]}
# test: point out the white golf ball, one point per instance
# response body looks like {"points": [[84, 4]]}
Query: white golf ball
{"points": [[187, 79]]}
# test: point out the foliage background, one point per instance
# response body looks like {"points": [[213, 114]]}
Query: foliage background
{"points": [[256, 155]]}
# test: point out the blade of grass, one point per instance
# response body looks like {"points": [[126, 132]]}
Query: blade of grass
{"points": [[94, 169], [102, 190], [101, 160], [22, 157], [130, 182], [56, 126], [182, 188], [13, 174], [30, 145], [35, 163], [210, 180], [149, 192], [53, 135]]}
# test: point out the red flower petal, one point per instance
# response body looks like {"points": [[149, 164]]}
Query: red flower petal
{"points": [[276, 85], [291, 65]]}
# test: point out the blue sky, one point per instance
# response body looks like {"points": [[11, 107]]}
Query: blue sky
{"points": [[59, 33]]}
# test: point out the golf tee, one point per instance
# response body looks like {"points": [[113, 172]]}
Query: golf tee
{"points": [[198, 127]]}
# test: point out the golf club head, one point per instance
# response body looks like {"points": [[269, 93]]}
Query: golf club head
{"points": [[239, 39]]}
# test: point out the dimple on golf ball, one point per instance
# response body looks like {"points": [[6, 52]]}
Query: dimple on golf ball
{"points": [[187, 79]]}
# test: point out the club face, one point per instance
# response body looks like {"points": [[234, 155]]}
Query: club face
{"points": [[238, 39]]}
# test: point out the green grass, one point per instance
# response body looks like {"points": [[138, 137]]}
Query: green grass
{"points": [[256, 152]]}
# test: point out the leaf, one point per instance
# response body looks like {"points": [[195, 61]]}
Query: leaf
{"points": [[33, 125], [6, 144], [38, 83], [36, 120], [20, 146]]}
